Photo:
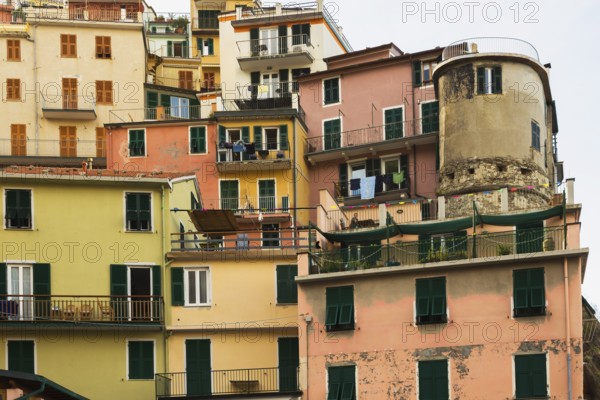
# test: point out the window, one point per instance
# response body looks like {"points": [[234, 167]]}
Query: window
{"points": [[431, 300], [428, 67], [186, 80], [13, 50], [489, 80], [209, 81], [530, 237], [535, 135], [331, 89], [430, 117], [68, 141], [229, 195], [180, 107], [13, 89], [296, 73], [68, 46], [137, 143], [528, 292], [433, 380], [197, 285], [18, 140], [270, 235], [197, 140], [394, 127], [208, 19], [339, 313], [138, 211], [341, 383], [287, 291], [300, 34], [69, 92], [100, 142], [332, 134], [103, 48], [21, 356], [530, 376], [17, 208], [266, 195], [270, 139], [104, 92], [206, 47], [140, 356]]}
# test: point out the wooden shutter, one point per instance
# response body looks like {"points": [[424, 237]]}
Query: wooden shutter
{"points": [[332, 302], [438, 296], [343, 179], [100, 142], [41, 279], [346, 316], [287, 290], [141, 359], [118, 280], [68, 141], [198, 140], [283, 137], [289, 360], [258, 141], [497, 79], [156, 281], [211, 47], [245, 139], [3, 281], [433, 380], [417, 74], [177, 287], [198, 367], [200, 46], [530, 376], [423, 297], [222, 134], [520, 289], [536, 284], [18, 140], [21, 356], [481, 89], [13, 50], [169, 48]]}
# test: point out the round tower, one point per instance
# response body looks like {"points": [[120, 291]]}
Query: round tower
{"points": [[496, 124]]}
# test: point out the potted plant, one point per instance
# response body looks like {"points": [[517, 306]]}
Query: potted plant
{"points": [[504, 249], [548, 244], [180, 24]]}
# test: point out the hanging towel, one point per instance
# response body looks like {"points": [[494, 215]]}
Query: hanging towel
{"points": [[387, 179], [355, 184], [398, 177], [379, 184], [238, 147], [250, 148], [367, 188]]}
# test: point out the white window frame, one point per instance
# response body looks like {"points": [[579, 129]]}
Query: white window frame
{"points": [[421, 114], [488, 84], [24, 339], [190, 140], [264, 138], [239, 193], [339, 78], [5, 224], [279, 238], [342, 144], [127, 358], [208, 286], [432, 64], [129, 143], [181, 104], [125, 225], [258, 191]]}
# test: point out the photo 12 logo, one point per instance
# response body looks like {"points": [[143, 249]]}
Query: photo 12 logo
{"points": [[470, 11]]}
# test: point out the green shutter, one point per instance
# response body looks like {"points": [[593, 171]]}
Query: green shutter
{"points": [[165, 100], [343, 179], [289, 360], [346, 316], [530, 376], [536, 282], [151, 99], [258, 141], [538, 374], [3, 281], [424, 247], [198, 367], [199, 45], [417, 76], [254, 42], [438, 296], [520, 286], [394, 127], [423, 297], [287, 290], [211, 47], [156, 281], [433, 380], [341, 383], [222, 134], [481, 80], [530, 237], [21, 356], [169, 48], [283, 137], [296, 32], [497, 79], [245, 139], [177, 289], [198, 140], [332, 90], [118, 280], [332, 134], [332, 301], [41, 279], [141, 359]]}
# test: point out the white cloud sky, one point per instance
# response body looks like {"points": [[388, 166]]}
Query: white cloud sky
{"points": [[566, 34]]}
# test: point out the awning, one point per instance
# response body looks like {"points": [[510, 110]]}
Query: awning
{"points": [[214, 221], [44, 387]]}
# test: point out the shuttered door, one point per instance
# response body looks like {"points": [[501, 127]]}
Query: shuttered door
{"points": [[433, 380], [289, 360], [118, 291], [21, 356], [198, 367]]}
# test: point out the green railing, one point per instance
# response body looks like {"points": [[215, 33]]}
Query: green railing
{"points": [[438, 248]]}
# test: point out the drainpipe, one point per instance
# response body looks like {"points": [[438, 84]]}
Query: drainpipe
{"points": [[568, 327], [35, 83], [164, 280], [35, 392], [295, 177]]}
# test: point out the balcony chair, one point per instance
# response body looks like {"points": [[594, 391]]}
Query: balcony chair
{"points": [[85, 314], [70, 312], [106, 310]]}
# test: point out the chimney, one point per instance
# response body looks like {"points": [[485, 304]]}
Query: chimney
{"points": [[571, 191], [238, 12], [277, 8], [319, 5]]}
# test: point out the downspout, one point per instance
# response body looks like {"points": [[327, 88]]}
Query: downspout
{"points": [[35, 83], [294, 177], [164, 277], [308, 323], [568, 328], [35, 392]]}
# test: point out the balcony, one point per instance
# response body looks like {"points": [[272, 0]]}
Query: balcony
{"points": [[385, 190], [183, 113], [81, 12], [269, 207], [205, 24], [197, 85], [490, 45], [238, 157], [176, 50], [67, 152], [287, 51], [122, 310], [231, 382], [167, 24], [440, 248], [364, 141], [81, 108]]}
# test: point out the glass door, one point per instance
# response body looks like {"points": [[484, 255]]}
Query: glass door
{"points": [[21, 289]]}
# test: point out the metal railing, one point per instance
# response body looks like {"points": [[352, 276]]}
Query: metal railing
{"points": [[66, 102], [51, 147], [205, 23], [83, 13], [275, 46], [383, 185], [373, 134], [158, 113], [279, 239], [484, 45], [190, 84], [438, 249], [230, 381], [108, 309], [175, 50], [250, 204], [287, 100], [270, 151]]}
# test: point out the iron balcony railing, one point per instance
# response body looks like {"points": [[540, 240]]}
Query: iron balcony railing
{"points": [[178, 50], [438, 248], [373, 134], [236, 152], [158, 113], [227, 382], [106, 309], [52, 147], [205, 23], [267, 239], [189, 84], [484, 45], [79, 13], [66, 102], [275, 46], [250, 204], [384, 185]]}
